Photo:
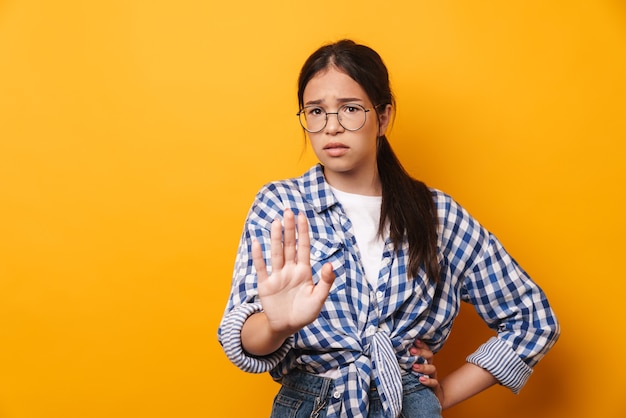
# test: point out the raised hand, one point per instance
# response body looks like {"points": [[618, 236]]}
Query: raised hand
{"points": [[288, 295]]}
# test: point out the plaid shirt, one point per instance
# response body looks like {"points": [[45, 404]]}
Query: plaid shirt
{"points": [[366, 332]]}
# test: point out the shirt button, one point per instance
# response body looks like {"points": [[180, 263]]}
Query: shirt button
{"points": [[371, 330], [318, 253], [337, 395], [379, 295]]}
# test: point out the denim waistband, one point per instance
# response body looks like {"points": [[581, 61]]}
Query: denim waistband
{"points": [[307, 382], [320, 386]]}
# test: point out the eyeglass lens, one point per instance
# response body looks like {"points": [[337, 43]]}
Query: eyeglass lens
{"points": [[350, 116]]}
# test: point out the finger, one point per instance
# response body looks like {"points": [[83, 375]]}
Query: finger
{"points": [[426, 354], [276, 245], [258, 260], [289, 242], [429, 381], [304, 243], [426, 369], [322, 289], [419, 364], [416, 347], [420, 345], [420, 349], [430, 370]]}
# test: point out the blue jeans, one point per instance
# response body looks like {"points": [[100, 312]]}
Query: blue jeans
{"points": [[304, 395]]}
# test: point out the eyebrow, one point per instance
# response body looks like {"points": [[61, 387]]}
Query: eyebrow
{"points": [[340, 100]]}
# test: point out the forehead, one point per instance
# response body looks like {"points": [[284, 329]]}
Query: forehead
{"points": [[332, 84]]}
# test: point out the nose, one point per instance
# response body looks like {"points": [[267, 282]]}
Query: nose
{"points": [[332, 123]]}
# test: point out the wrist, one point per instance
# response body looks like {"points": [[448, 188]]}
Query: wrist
{"points": [[258, 338]]}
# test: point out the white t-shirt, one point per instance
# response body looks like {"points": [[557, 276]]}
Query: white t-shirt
{"points": [[364, 214]]}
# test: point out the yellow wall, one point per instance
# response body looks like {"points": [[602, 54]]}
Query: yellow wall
{"points": [[134, 134]]}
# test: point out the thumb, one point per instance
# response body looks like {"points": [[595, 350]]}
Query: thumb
{"points": [[328, 278]]}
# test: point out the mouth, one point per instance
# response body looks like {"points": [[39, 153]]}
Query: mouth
{"points": [[335, 145], [336, 149]]}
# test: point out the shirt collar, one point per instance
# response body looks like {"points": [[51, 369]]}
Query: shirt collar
{"points": [[317, 191]]}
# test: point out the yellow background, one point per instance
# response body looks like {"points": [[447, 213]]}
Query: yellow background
{"points": [[134, 135]]}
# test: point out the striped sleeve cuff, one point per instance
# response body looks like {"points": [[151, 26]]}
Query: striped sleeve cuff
{"points": [[499, 359], [231, 341]]}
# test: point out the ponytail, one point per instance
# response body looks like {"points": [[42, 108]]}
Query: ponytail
{"points": [[409, 208]]}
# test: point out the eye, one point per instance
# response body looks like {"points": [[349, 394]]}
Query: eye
{"points": [[351, 109], [314, 111]]}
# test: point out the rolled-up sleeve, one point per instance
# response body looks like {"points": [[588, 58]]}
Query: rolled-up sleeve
{"points": [[230, 338]]}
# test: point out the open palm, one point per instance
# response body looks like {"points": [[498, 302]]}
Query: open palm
{"points": [[288, 295]]}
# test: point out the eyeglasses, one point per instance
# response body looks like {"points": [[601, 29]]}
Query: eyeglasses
{"points": [[351, 116]]}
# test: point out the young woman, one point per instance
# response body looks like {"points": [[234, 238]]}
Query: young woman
{"points": [[340, 270]]}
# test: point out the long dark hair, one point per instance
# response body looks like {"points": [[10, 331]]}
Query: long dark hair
{"points": [[407, 204]]}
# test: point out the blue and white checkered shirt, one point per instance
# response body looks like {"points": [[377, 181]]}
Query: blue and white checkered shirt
{"points": [[366, 332]]}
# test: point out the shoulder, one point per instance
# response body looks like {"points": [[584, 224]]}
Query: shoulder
{"points": [[287, 189], [443, 201], [292, 193], [278, 188], [451, 214], [273, 197]]}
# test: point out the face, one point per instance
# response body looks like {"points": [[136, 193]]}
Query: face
{"points": [[347, 156]]}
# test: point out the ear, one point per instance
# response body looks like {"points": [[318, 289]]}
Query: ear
{"points": [[384, 118]]}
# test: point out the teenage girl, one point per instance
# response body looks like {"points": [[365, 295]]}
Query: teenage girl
{"points": [[341, 270]]}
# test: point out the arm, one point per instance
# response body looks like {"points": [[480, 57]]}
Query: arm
{"points": [[463, 383], [504, 296], [507, 300], [512, 304]]}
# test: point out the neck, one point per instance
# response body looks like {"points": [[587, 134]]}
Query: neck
{"points": [[367, 185]]}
